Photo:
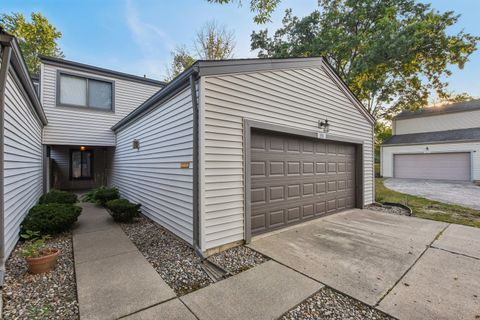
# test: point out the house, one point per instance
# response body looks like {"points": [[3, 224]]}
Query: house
{"points": [[225, 151], [438, 143], [232, 149], [82, 103], [22, 120]]}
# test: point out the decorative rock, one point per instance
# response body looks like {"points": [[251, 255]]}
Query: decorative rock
{"points": [[42, 296], [329, 304]]}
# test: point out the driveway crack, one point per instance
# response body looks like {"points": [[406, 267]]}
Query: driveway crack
{"points": [[428, 246]]}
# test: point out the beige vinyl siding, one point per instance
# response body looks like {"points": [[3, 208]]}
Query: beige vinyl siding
{"points": [[152, 175], [23, 160], [389, 151], [76, 126], [291, 97], [441, 122]]}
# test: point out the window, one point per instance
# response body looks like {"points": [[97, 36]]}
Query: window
{"points": [[81, 164], [84, 92]]}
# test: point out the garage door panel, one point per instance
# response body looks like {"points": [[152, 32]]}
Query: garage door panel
{"points": [[435, 166], [295, 179]]}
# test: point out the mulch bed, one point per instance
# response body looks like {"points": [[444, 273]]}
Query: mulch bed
{"points": [[51, 295], [329, 304]]}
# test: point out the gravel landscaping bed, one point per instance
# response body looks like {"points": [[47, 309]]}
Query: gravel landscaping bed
{"points": [[389, 209], [238, 259], [50, 295], [328, 304], [174, 260]]}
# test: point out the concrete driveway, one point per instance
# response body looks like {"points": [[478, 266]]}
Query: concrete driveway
{"points": [[462, 193], [407, 267]]}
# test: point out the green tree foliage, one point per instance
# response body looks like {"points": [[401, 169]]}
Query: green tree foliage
{"points": [[261, 8], [383, 131], [212, 42], [453, 98], [393, 54], [181, 60], [36, 37]]}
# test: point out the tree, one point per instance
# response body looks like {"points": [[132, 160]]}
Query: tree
{"points": [[37, 37], [181, 60], [393, 54], [212, 42], [263, 9], [453, 98]]}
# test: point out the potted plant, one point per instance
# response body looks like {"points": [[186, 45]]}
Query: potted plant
{"points": [[40, 258]]}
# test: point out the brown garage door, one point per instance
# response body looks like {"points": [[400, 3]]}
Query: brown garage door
{"points": [[435, 166], [294, 179]]}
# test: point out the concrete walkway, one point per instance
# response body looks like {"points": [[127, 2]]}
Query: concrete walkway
{"points": [[464, 194], [113, 278]]}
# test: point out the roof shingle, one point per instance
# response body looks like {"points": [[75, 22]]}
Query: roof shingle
{"points": [[437, 136], [454, 107]]}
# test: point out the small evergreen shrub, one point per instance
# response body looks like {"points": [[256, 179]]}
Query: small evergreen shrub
{"points": [[50, 218], [123, 210], [58, 196], [102, 195]]}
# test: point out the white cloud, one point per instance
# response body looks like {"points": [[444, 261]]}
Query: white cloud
{"points": [[154, 44]]}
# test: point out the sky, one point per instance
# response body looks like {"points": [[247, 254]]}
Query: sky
{"points": [[137, 36]]}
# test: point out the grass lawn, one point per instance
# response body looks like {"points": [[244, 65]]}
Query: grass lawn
{"points": [[428, 209]]}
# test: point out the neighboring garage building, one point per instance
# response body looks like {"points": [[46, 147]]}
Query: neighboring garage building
{"points": [[232, 149], [438, 143]]}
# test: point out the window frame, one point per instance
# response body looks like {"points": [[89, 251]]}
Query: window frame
{"points": [[87, 107], [92, 164]]}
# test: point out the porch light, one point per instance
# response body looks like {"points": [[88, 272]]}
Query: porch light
{"points": [[324, 125], [83, 148]]}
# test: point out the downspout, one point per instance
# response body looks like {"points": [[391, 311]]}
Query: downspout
{"points": [[196, 161], [6, 54]]}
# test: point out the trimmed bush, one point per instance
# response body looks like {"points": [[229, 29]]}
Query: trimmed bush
{"points": [[58, 196], [51, 218], [123, 210], [102, 195]]}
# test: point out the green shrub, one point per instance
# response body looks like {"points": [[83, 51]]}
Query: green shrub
{"points": [[51, 218], [123, 210], [58, 196], [101, 195]]}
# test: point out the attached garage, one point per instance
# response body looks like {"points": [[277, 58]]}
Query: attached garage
{"points": [[454, 166], [294, 179], [232, 149]]}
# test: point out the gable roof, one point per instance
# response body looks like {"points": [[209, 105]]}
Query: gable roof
{"points": [[20, 67], [101, 71], [430, 111], [219, 67], [471, 134]]}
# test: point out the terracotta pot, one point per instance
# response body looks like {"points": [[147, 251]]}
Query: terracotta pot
{"points": [[44, 263]]}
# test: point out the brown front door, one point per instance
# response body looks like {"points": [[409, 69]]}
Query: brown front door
{"points": [[294, 179]]}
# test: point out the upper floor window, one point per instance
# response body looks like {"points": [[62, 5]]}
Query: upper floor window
{"points": [[85, 92]]}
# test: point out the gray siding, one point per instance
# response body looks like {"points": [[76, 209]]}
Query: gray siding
{"points": [[439, 122], [152, 175], [76, 126], [23, 160], [291, 97]]}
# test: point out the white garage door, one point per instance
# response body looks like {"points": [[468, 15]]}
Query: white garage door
{"points": [[435, 166]]}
